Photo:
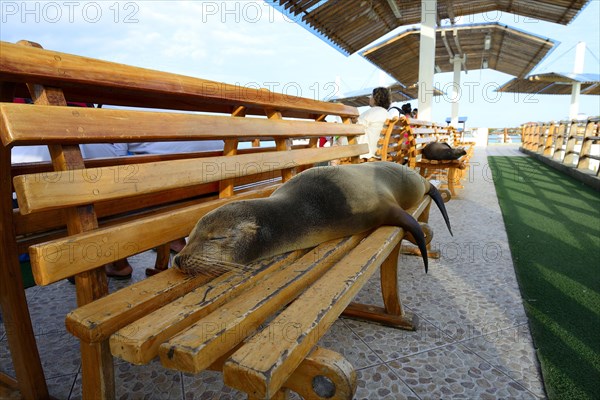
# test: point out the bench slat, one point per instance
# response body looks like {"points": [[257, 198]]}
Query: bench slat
{"points": [[95, 322], [84, 78], [423, 131], [196, 348], [26, 125], [139, 341], [58, 259], [264, 364], [37, 192]]}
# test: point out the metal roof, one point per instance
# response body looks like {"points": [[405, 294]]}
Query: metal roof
{"points": [[553, 83], [400, 93], [494, 46], [350, 25]]}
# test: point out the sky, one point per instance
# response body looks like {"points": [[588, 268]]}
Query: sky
{"points": [[249, 43]]}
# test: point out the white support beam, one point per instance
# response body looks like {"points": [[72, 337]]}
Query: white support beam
{"points": [[427, 58], [576, 90], [457, 61], [395, 8]]}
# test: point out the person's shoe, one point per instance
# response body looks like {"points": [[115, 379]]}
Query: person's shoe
{"points": [[119, 270]]}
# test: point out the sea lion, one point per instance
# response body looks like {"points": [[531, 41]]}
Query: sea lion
{"points": [[315, 206], [442, 151]]}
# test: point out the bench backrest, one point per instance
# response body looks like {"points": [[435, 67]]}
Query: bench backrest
{"points": [[418, 134], [403, 139], [113, 208]]}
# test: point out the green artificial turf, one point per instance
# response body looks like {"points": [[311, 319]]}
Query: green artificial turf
{"points": [[553, 227]]}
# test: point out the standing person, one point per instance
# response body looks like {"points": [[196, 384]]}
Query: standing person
{"points": [[373, 120]]}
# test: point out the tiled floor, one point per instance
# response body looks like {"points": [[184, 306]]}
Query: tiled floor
{"points": [[472, 342]]}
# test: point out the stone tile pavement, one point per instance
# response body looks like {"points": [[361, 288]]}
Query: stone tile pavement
{"points": [[472, 341]]}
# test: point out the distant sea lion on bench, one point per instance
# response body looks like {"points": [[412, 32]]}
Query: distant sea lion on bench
{"points": [[315, 206], [442, 151]]}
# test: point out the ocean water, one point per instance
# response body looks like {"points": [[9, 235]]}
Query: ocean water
{"points": [[500, 139]]}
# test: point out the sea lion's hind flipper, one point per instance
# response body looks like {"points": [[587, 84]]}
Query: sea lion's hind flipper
{"points": [[437, 197], [401, 218]]}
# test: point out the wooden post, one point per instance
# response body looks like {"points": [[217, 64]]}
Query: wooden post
{"points": [[586, 146], [281, 145], [96, 359], [570, 153], [17, 321]]}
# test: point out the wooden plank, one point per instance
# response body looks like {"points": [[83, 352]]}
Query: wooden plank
{"points": [[96, 361], [281, 144], [52, 219], [26, 125], [80, 75], [196, 348], [263, 365], [123, 84], [139, 341], [15, 313], [37, 193], [96, 321], [64, 257]]}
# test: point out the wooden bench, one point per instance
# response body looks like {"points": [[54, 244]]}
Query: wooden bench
{"points": [[216, 321], [403, 140], [570, 146]]}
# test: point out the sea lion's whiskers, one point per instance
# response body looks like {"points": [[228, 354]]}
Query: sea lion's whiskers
{"points": [[214, 266]]}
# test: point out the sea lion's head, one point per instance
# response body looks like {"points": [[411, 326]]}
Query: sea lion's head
{"points": [[226, 237], [458, 153]]}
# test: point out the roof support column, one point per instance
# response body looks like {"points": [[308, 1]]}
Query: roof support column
{"points": [[427, 57], [457, 62], [576, 90]]}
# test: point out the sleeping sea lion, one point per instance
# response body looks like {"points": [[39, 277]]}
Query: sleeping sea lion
{"points": [[317, 205], [442, 151]]}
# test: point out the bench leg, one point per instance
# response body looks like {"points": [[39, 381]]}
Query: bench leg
{"points": [[163, 255], [13, 303], [97, 371], [392, 313], [452, 180]]}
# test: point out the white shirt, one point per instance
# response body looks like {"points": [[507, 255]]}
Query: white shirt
{"points": [[103, 150], [175, 147], [26, 154], [373, 120]]}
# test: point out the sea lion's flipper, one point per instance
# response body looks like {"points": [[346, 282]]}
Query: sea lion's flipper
{"points": [[401, 218], [437, 197]]}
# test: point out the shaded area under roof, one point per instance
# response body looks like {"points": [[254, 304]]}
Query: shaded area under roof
{"points": [[553, 83], [350, 25], [360, 98], [494, 46]]}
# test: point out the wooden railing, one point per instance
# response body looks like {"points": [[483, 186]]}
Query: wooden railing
{"points": [[575, 144]]}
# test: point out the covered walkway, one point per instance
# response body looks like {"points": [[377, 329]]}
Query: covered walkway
{"points": [[472, 340]]}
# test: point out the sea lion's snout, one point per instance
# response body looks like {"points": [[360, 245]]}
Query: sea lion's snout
{"points": [[459, 152], [176, 263], [223, 238]]}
